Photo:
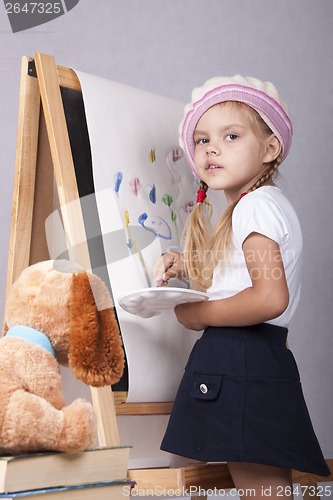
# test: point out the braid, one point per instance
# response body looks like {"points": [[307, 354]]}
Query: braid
{"points": [[196, 237], [269, 175], [203, 186]]}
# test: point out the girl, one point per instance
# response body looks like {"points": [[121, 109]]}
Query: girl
{"points": [[240, 399]]}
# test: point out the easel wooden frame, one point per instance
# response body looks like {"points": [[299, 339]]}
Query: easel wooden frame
{"points": [[42, 150]]}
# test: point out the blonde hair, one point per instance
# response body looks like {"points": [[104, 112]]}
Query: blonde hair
{"points": [[204, 247]]}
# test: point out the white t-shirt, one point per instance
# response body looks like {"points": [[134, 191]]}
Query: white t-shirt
{"points": [[266, 211]]}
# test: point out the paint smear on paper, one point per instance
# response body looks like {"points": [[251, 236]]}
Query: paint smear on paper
{"points": [[117, 180], [167, 200], [152, 194], [135, 185], [152, 155], [155, 225]]}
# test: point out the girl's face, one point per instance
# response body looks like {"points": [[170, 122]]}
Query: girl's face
{"points": [[231, 152]]}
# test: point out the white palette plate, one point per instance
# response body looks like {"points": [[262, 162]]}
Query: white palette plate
{"points": [[148, 302]]}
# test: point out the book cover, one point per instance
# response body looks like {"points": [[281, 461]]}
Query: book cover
{"points": [[105, 490], [47, 470]]}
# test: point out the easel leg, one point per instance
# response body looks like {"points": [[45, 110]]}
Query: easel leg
{"points": [[24, 175], [107, 427]]}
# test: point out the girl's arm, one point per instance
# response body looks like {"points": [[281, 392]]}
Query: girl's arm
{"points": [[267, 298]]}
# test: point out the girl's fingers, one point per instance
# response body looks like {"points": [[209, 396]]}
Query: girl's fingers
{"points": [[167, 266]]}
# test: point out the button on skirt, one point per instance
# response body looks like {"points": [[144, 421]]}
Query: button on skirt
{"points": [[240, 400]]}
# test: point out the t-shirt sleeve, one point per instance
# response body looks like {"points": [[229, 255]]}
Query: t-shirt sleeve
{"points": [[258, 214]]}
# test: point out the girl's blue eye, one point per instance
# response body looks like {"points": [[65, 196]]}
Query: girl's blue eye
{"points": [[201, 141], [232, 137]]}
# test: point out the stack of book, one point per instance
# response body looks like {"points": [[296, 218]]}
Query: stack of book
{"points": [[99, 474]]}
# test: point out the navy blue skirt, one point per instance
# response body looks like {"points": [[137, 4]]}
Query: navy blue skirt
{"points": [[240, 400]]}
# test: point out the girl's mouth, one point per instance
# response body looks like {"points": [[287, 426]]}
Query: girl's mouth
{"points": [[213, 167]]}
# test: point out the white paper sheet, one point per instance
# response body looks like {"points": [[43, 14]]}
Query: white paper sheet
{"points": [[144, 192]]}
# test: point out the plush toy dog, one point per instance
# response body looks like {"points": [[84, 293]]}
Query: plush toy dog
{"points": [[55, 313]]}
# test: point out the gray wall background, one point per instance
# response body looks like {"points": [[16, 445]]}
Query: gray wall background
{"points": [[169, 46]]}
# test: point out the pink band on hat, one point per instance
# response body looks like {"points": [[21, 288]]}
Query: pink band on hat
{"points": [[271, 111]]}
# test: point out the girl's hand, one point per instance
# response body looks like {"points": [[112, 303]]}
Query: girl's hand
{"points": [[188, 315], [170, 265]]}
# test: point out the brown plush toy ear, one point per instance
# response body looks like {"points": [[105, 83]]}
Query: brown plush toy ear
{"points": [[96, 354]]}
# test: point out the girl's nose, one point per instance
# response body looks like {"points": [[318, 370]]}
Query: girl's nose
{"points": [[213, 150]]}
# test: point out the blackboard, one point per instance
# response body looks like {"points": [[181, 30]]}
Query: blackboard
{"points": [[80, 145]]}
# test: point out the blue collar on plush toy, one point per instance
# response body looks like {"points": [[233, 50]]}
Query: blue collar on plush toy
{"points": [[31, 335]]}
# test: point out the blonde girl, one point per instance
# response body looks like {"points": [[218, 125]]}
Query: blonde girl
{"points": [[240, 399]]}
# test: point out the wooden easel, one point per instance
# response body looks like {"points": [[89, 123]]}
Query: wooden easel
{"points": [[43, 152]]}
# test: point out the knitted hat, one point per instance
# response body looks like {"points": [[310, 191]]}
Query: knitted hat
{"points": [[261, 96]]}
